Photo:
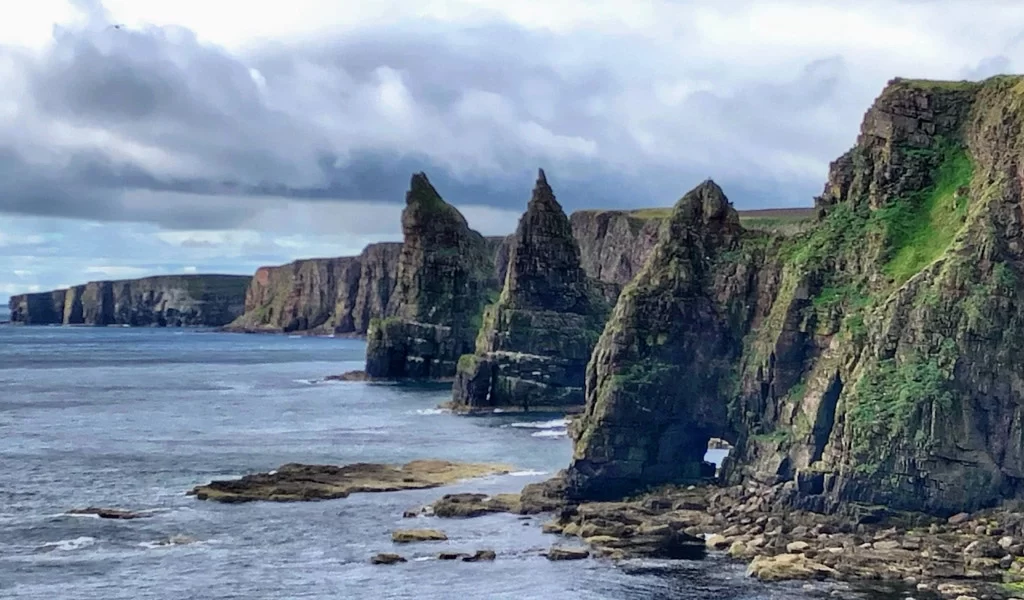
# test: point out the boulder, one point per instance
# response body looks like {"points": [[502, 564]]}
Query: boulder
{"points": [[387, 558], [567, 553], [788, 566]]}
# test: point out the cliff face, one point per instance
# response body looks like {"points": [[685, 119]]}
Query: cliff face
{"points": [[533, 346], [166, 301], [614, 244], [869, 359], [445, 275], [44, 308], [328, 295]]}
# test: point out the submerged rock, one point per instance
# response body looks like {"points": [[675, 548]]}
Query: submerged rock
{"points": [[481, 556], [296, 482], [109, 513], [406, 536], [349, 376], [535, 341]]}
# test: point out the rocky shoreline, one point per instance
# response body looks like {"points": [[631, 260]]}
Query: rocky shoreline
{"points": [[966, 556]]}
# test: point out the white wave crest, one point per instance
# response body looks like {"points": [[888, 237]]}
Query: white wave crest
{"points": [[69, 545], [431, 411], [550, 433], [528, 473], [554, 424]]}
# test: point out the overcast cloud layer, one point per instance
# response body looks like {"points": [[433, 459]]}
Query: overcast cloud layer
{"points": [[193, 138]]}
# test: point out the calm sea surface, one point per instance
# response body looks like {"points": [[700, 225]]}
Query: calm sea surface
{"points": [[133, 418]]}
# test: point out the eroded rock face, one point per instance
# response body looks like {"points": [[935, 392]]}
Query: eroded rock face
{"points": [[165, 301], [615, 244], [326, 295], [867, 360], [533, 347], [655, 382], [445, 276]]}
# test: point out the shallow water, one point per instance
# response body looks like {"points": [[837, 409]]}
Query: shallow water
{"points": [[135, 417]]}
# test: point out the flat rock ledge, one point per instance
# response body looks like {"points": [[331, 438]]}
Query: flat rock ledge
{"points": [[295, 482]]}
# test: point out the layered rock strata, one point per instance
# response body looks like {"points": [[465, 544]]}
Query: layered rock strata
{"points": [[445, 276], [533, 346]]}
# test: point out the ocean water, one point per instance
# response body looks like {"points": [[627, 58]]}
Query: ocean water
{"points": [[133, 418]]}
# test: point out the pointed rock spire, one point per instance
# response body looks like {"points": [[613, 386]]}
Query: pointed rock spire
{"points": [[544, 267], [420, 189]]}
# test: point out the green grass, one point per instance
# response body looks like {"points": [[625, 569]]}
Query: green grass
{"points": [[938, 84], [652, 213], [888, 395], [921, 227]]}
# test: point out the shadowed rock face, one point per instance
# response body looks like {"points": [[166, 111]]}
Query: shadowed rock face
{"points": [[445, 276], [614, 244], [165, 301], [653, 384], [872, 358], [533, 346]]}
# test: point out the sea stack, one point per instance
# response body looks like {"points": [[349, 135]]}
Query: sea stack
{"points": [[533, 346], [445, 275]]}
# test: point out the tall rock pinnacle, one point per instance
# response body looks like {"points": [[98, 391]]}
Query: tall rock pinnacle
{"points": [[534, 343]]}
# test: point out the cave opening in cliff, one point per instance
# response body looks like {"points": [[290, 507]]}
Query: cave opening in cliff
{"points": [[717, 451]]}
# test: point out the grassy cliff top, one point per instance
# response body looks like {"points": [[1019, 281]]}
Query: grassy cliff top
{"points": [[780, 220]]}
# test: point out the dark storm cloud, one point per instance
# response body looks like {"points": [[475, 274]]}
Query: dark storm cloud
{"points": [[147, 124]]}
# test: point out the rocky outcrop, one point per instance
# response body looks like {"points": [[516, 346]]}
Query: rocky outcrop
{"points": [[43, 308], [868, 360], [445, 276], [615, 244], [295, 482], [533, 346], [164, 301]]}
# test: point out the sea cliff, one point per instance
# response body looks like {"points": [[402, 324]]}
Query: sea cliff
{"points": [[164, 301], [867, 360]]}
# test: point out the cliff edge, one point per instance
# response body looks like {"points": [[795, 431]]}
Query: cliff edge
{"points": [[869, 359]]}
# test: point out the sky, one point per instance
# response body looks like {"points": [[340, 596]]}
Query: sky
{"points": [[144, 137]]}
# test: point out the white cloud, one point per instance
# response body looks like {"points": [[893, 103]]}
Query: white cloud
{"points": [[117, 271]]}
